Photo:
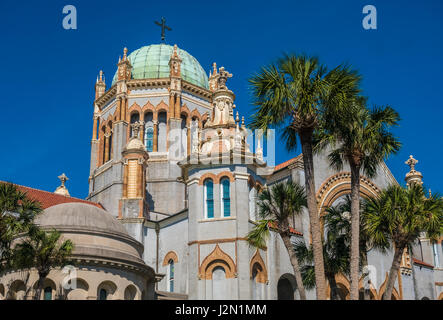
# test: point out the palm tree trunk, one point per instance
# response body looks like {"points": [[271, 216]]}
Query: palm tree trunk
{"points": [[295, 266], [334, 288], [39, 288], [398, 253], [316, 234], [355, 229]]}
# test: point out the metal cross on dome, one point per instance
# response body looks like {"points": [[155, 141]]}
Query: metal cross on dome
{"points": [[163, 25]]}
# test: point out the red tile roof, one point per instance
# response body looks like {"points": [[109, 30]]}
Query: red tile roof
{"points": [[286, 163], [49, 199], [292, 230], [422, 263]]}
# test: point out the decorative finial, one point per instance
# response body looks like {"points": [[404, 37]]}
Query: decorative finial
{"points": [[411, 162], [101, 75], [243, 121], [62, 190], [214, 68], [224, 75], [413, 176], [125, 51], [63, 178], [237, 118]]}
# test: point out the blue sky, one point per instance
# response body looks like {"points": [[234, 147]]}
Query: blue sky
{"points": [[48, 73]]}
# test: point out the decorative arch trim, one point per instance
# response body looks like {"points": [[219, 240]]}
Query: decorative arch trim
{"points": [[216, 178], [342, 281], [148, 107], [225, 174], [171, 255], [207, 176], [339, 184], [196, 114], [382, 290], [134, 108], [262, 275], [217, 258], [162, 107]]}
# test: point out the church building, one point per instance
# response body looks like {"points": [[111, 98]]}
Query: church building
{"points": [[175, 175]]}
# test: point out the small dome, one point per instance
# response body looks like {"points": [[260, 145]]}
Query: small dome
{"points": [[152, 62], [80, 215], [96, 234]]}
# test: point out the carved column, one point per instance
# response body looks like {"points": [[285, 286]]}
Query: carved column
{"points": [[188, 138], [155, 144], [94, 128], [106, 148], [142, 131], [171, 105], [118, 111], [177, 106]]}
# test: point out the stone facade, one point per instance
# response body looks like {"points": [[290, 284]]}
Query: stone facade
{"points": [[190, 135]]}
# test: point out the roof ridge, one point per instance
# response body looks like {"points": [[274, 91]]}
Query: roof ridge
{"points": [[61, 198], [19, 185]]}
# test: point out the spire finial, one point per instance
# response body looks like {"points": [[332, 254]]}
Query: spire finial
{"points": [[62, 190], [63, 178], [214, 68], [411, 162], [125, 51]]}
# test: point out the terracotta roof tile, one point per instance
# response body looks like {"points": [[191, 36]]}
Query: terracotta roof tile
{"points": [[292, 230], [422, 263], [49, 199], [286, 163]]}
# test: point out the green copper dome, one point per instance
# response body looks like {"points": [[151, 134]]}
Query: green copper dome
{"points": [[152, 62]]}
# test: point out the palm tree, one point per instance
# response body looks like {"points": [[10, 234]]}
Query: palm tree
{"points": [[17, 213], [293, 94], [361, 138], [336, 257], [338, 224], [43, 251], [399, 215], [276, 205]]}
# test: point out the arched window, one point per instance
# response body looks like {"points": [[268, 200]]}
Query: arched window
{"points": [[149, 139], [47, 293], [225, 197], [209, 199], [171, 275], [103, 295]]}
